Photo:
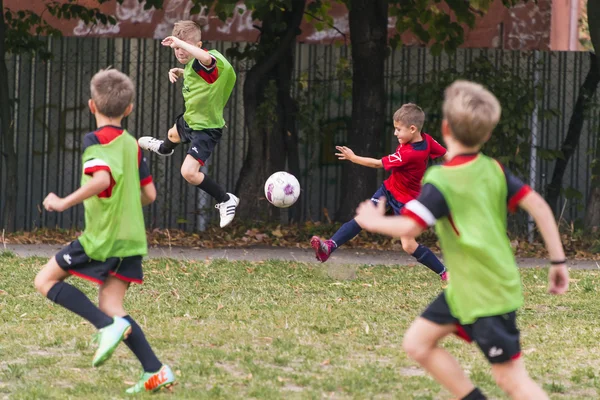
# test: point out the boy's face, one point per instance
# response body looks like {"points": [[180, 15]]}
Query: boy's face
{"points": [[183, 56], [405, 134]]}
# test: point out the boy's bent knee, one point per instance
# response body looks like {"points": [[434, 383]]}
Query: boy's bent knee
{"points": [[43, 284], [415, 348], [192, 175], [173, 135]]}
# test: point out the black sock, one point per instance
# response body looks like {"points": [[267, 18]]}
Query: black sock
{"points": [[346, 232], [74, 300], [428, 259], [475, 395], [214, 189], [137, 343], [167, 146]]}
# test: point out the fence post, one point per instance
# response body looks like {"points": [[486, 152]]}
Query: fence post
{"points": [[534, 140]]}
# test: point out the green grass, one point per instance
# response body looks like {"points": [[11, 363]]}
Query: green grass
{"points": [[281, 330]]}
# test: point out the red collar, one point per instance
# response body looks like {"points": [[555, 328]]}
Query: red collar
{"points": [[461, 159]]}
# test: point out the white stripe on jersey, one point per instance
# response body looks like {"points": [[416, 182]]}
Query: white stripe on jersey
{"points": [[96, 162], [423, 212]]}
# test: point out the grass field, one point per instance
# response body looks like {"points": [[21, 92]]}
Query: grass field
{"points": [[281, 330]]}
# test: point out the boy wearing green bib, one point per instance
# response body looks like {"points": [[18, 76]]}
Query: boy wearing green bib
{"points": [[116, 182], [467, 200], [208, 80]]}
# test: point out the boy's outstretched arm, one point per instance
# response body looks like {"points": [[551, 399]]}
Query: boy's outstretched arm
{"points": [[371, 217], [198, 53], [345, 153], [536, 206], [100, 182]]}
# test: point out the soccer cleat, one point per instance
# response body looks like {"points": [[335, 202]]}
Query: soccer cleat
{"points": [[227, 209], [444, 276], [152, 144], [323, 249], [108, 339], [153, 381]]}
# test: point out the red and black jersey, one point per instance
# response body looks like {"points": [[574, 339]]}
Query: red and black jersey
{"points": [[105, 135], [408, 165]]}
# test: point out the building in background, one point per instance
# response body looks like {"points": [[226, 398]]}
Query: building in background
{"points": [[547, 25]]}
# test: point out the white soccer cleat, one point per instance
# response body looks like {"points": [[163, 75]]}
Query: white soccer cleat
{"points": [[227, 209], [152, 144]]}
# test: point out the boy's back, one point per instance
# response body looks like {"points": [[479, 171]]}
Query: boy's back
{"points": [[114, 221], [472, 232]]}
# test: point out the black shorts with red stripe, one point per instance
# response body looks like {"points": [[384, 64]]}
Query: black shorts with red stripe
{"points": [[497, 336], [75, 261], [202, 142]]}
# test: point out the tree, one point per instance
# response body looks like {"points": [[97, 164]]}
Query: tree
{"points": [[593, 206], [21, 32], [442, 29], [269, 109], [368, 35], [569, 145]]}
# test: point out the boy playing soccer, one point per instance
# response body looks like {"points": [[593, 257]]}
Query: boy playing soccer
{"points": [[208, 80], [407, 166], [110, 250], [467, 199]]}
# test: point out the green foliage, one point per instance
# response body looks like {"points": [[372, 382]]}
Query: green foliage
{"points": [[510, 143], [433, 24]]}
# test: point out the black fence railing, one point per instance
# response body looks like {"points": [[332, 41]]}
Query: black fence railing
{"points": [[51, 117]]}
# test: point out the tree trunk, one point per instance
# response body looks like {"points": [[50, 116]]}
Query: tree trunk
{"points": [[269, 144], [368, 34], [7, 145], [289, 130], [592, 220], [584, 101]]}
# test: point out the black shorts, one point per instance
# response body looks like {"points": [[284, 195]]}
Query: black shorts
{"points": [[496, 336], [391, 201], [73, 259], [203, 142]]}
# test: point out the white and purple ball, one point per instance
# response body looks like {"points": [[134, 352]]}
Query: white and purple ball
{"points": [[282, 189]]}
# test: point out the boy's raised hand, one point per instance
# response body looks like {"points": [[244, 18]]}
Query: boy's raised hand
{"points": [[368, 213], [174, 74], [558, 279], [345, 153], [171, 41]]}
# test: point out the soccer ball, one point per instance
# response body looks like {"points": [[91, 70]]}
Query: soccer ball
{"points": [[282, 189]]}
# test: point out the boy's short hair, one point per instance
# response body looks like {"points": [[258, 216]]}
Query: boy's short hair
{"points": [[472, 112], [112, 92], [187, 30], [410, 114]]}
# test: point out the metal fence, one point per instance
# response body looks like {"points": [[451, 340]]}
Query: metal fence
{"points": [[51, 117]]}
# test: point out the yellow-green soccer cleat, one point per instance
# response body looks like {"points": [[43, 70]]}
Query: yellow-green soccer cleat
{"points": [[153, 381], [108, 339]]}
